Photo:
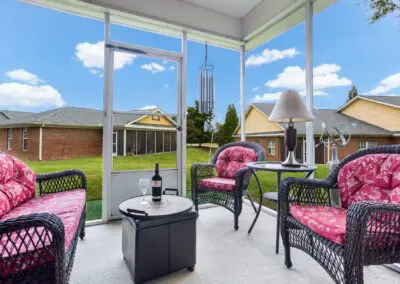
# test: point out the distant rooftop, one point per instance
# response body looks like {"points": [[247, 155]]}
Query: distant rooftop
{"points": [[393, 100], [71, 116]]}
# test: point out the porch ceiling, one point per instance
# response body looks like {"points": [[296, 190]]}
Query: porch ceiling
{"points": [[224, 23]]}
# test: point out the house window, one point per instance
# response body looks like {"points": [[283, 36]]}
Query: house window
{"points": [[364, 144], [24, 139], [271, 147], [9, 138], [155, 117]]}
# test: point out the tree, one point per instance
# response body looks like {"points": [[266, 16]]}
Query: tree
{"points": [[352, 93], [195, 125], [382, 8], [231, 122]]}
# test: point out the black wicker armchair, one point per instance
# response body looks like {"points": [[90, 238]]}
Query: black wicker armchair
{"points": [[364, 230], [39, 237], [224, 181]]}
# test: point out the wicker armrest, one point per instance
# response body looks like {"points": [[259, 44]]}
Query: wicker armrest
{"points": [[200, 171], [61, 181], [34, 239], [375, 225], [305, 192], [242, 179]]}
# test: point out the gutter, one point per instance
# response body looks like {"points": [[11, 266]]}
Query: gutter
{"points": [[41, 142]]}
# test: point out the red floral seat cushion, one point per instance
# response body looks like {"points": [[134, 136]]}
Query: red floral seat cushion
{"points": [[231, 159], [17, 183], [225, 184], [374, 177], [66, 205], [328, 222]]}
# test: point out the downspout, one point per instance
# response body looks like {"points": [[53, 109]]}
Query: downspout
{"points": [[41, 142]]}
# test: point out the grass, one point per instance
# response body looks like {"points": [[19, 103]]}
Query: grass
{"points": [[93, 167]]}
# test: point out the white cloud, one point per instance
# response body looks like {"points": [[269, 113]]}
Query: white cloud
{"points": [[269, 97], [171, 68], [92, 56], [268, 56], [24, 76], [166, 86], [389, 83], [153, 67], [148, 107], [325, 76], [255, 89], [25, 95]]}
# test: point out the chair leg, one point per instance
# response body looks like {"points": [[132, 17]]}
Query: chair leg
{"points": [[285, 241], [236, 221], [82, 233]]}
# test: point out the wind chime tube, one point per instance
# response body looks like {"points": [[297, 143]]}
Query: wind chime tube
{"points": [[200, 89]]}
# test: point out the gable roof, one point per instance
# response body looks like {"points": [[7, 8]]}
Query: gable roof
{"points": [[330, 117], [393, 101], [74, 116]]}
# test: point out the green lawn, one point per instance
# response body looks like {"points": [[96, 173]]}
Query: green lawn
{"points": [[92, 167]]}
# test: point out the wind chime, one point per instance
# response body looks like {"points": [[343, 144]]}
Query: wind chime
{"points": [[206, 86], [206, 94]]}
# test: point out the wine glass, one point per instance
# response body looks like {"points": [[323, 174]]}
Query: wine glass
{"points": [[144, 185]]}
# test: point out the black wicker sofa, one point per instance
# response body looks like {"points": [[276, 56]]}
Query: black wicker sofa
{"points": [[38, 235]]}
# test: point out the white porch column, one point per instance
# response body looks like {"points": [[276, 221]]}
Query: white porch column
{"points": [[107, 121], [183, 113], [309, 81], [124, 142], [242, 94]]}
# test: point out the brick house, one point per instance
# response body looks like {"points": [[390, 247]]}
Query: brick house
{"points": [[70, 132], [375, 120]]}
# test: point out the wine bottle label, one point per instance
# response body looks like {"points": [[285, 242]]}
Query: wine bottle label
{"points": [[156, 183]]}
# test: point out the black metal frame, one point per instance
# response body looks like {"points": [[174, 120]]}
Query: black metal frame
{"points": [[228, 199], [48, 262], [372, 229]]}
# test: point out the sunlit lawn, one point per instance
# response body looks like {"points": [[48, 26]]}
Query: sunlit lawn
{"points": [[92, 167]]}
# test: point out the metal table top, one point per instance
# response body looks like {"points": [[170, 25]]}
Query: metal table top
{"points": [[278, 167], [170, 205]]}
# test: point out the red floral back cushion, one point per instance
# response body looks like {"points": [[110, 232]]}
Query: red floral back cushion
{"points": [[374, 177], [231, 159], [17, 183]]}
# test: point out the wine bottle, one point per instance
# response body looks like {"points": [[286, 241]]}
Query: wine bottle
{"points": [[156, 184]]}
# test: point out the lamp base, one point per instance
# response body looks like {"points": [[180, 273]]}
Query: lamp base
{"points": [[291, 161]]}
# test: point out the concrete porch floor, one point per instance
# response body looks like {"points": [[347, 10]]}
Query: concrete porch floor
{"points": [[223, 255]]}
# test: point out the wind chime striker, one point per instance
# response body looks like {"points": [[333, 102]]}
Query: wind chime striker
{"points": [[206, 86]]}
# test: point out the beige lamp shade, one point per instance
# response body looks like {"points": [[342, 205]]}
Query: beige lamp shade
{"points": [[290, 107]]}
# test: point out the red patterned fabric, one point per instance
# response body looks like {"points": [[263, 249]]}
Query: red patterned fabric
{"points": [[67, 205], [217, 183], [17, 183], [231, 159], [328, 222], [374, 177]]}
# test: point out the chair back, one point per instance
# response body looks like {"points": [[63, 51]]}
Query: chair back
{"points": [[231, 157], [372, 174]]}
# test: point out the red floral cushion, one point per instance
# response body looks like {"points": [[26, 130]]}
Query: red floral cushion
{"points": [[374, 177], [231, 159], [328, 222], [217, 183], [17, 183], [66, 205]]}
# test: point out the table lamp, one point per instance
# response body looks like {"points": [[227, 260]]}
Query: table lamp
{"points": [[290, 108]]}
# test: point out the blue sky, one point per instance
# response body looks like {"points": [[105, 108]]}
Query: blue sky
{"points": [[50, 59]]}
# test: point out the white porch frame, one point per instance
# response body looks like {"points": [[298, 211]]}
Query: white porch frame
{"points": [[180, 58]]}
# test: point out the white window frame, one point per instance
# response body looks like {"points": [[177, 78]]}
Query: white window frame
{"points": [[9, 138], [116, 143], [24, 139], [368, 144], [271, 147]]}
